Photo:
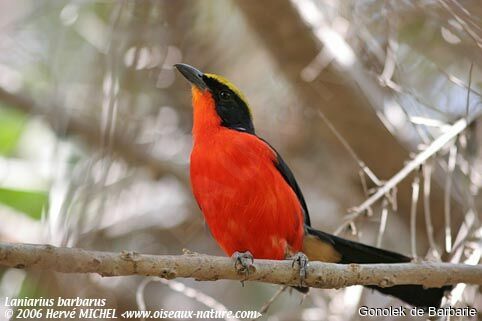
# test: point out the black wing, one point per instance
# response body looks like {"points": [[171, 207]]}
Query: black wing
{"points": [[290, 179]]}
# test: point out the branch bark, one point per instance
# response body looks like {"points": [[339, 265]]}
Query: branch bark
{"points": [[210, 268]]}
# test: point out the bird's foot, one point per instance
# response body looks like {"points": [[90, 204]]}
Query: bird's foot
{"points": [[301, 260], [243, 262]]}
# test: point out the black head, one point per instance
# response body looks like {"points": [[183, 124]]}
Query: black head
{"points": [[231, 106]]}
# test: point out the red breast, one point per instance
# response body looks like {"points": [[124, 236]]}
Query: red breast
{"points": [[246, 202]]}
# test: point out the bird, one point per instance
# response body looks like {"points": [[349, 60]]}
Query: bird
{"points": [[250, 199]]}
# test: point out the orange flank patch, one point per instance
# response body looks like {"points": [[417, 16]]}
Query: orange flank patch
{"points": [[317, 250]]}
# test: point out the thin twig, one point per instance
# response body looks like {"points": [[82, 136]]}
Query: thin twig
{"points": [[465, 27], [413, 215], [390, 65], [363, 180], [427, 178], [431, 150], [467, 104], [465, 230], [457, 81], [350, 150], [467, 12], [383, 222], [141, 303], [196, 295], [268, 303], [447, 197]]}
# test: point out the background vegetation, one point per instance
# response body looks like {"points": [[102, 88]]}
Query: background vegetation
{"points": [[95, 133]]}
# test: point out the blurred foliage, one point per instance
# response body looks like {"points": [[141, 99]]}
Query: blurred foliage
{"points": [[11, 124], [31, 203]]}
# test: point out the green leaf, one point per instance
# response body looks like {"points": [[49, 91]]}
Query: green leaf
{"points": [[11, 126], [28, 202]]}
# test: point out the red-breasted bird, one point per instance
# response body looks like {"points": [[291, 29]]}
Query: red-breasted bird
{"points": [[250, 198]]}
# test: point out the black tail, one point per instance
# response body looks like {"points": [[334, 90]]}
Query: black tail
{"points": [[353, 252]]}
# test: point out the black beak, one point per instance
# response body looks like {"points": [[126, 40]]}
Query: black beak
{"points": [[194, 76]]}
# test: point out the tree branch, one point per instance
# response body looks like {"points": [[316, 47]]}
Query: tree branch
{"points": [[210, 268]]}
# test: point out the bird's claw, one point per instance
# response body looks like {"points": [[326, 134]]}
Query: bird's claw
{"points": [[301, 260], [243, 262]]}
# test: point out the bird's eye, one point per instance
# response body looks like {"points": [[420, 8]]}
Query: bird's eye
{"points": [[225, 95]]}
